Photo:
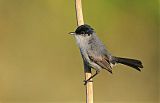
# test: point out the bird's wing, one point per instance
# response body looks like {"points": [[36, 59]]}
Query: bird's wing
{"points": [[101, 60]]}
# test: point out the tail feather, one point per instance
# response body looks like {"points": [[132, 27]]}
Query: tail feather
{"points": [[137, 64]]}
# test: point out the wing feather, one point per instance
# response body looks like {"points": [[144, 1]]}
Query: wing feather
{"points": [[100, 60]]}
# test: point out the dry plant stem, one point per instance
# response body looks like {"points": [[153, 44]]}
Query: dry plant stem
{"points": [[89, 85], [79, 13]]}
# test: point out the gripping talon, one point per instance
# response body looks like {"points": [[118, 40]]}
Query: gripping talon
{"points": [[86, 81], [89, 80]]}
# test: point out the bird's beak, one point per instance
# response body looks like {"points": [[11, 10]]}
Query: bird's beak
{"points": [[72, 33]]}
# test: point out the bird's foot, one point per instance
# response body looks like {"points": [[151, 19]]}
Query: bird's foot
{"points": [[86, 81]]}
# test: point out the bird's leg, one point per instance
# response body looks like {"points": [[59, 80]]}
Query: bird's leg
{"points": [[88, 80]]}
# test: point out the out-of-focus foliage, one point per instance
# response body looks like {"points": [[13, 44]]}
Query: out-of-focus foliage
{"points": [[40, 62]]}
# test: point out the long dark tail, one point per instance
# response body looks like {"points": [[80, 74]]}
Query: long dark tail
{"points": [[137, 64]]}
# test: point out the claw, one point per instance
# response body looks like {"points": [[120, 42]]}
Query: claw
{"points": [[90, 79], [86, 81]]}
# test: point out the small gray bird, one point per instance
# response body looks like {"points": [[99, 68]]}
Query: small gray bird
{"points": [[95, 54]]}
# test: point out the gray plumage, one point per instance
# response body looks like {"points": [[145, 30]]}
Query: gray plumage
{"points": [[95, 54]]}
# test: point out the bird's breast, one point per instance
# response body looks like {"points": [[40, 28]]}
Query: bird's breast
{"points": [[82, 41]]}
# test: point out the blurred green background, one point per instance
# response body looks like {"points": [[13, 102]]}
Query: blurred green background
{"points": [[41, 63]]}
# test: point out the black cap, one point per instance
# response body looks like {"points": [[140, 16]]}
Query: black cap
{"points": [[84, 29]]}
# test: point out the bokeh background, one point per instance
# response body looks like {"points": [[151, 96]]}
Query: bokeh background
{"points": [[41, 63]]}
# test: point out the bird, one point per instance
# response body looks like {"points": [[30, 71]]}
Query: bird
{"points": [[95, 54]]}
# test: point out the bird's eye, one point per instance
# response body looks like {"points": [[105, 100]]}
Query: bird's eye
{"points": [[83, 32]]}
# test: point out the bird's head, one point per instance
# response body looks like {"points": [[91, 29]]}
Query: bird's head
{"points": [[84, 30]]}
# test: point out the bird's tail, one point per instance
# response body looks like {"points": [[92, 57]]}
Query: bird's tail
{"points": [[136, 64]]}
